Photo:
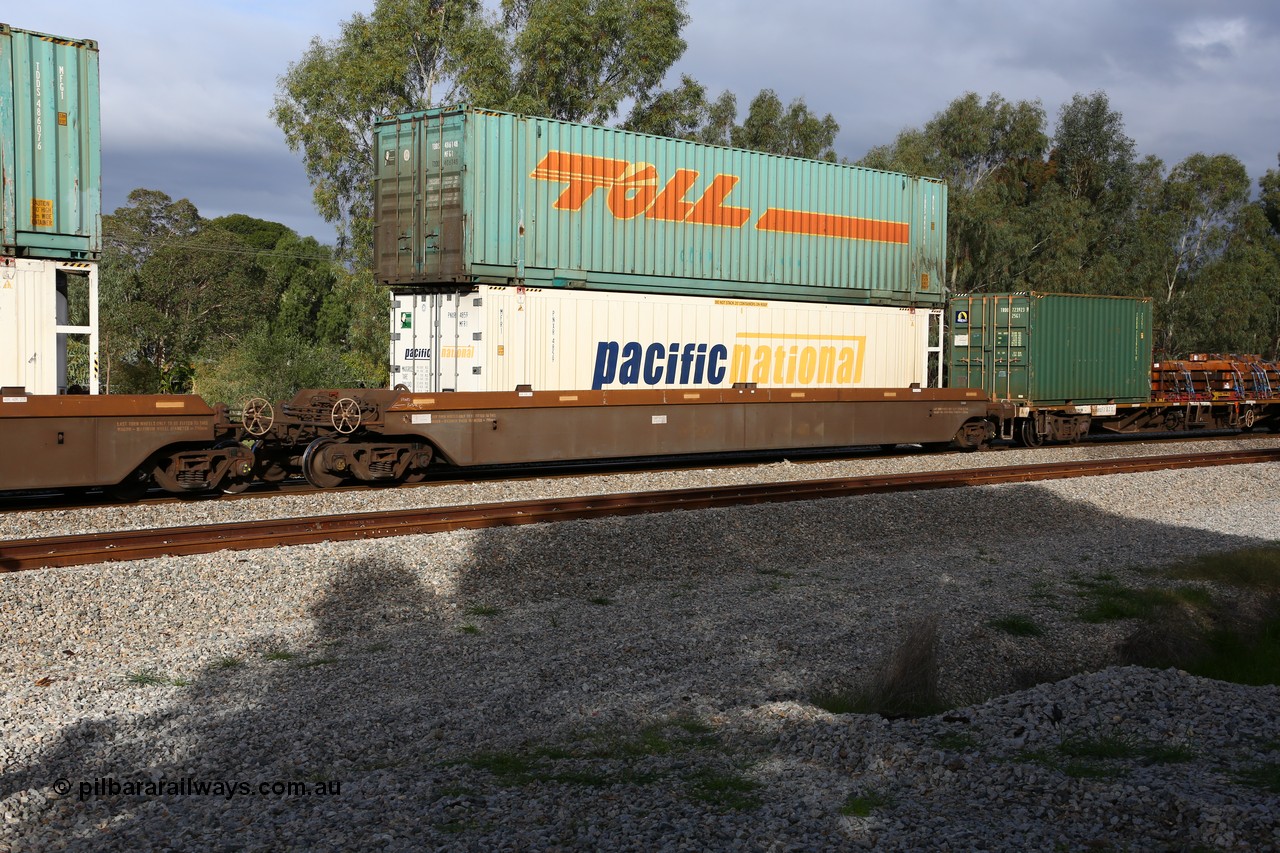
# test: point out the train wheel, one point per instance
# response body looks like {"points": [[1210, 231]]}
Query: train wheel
{"points": [[131, 488], [313, 465], [267, 467], [974, 435], [240, 476], [1027, 434], [1247, 418], [418, 471]]}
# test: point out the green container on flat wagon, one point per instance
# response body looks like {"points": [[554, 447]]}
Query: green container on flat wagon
{"points": [[50, 147], [466, 196], [1051, 348]]}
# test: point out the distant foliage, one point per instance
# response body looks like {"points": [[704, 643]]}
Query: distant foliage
{"points": [[576, 60], [220, 306], [685, 113], [1077, 211]]}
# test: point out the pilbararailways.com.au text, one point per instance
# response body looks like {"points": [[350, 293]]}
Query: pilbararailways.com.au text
{"points": [[192, 786]]}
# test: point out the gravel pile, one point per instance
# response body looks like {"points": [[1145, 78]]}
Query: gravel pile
{"points": [[642, 683]]}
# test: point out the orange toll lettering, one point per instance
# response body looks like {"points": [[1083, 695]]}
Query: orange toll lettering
{"points": [[711, 209], [832, 225], [671, 206], [632, 194], [632, 191], [584, 175]]}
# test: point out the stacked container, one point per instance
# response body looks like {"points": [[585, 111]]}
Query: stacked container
{"points": [[501, 338], [50, 206], [468, 198]]}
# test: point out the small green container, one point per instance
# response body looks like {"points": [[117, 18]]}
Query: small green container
{"points": [[1049, 349], [50, 147]]}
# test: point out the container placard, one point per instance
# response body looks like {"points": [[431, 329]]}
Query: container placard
{"points": [[42, 212]]}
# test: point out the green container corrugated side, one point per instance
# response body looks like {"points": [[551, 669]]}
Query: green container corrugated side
{"points": [[50, 146], [468, 196], [1051, 348]]}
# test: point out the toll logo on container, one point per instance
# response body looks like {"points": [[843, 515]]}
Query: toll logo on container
{"points": [[779, 360], [636, 189]]}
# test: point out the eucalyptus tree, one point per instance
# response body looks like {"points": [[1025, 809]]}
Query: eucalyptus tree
{"points": [[991, 155], [577, 60], [172, 286]]}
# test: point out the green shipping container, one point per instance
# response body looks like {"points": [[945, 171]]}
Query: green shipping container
{"points": [[50, 147], [1051, 348], [466, 196]]}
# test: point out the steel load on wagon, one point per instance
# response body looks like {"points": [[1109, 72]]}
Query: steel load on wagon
{"points": [[465, 196], [50, 146], [1047, 349]]}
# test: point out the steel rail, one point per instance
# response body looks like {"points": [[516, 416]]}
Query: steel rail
{"points": [[61, 551]]}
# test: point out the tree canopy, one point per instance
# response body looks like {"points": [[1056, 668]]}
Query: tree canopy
{"points": [[181, 296], [1077, 211], [575, 60]]}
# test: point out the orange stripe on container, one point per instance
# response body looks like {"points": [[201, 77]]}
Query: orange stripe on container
{"points": [[833, 225]]}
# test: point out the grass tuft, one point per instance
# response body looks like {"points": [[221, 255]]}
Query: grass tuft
{"points": [[1111, 601], [1248, 568], [228, 662], [1016, 625], [146, 678], [725, 790], [956, 742], [483, 610], [279, 654], [601, 760], [906, 684], [862, 805], [1103, 757], [1265, 776]]}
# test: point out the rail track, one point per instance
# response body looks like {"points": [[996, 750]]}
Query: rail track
{"points": [[62, 551]]}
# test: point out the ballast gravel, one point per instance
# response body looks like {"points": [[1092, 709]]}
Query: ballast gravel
{"points": [[643, 683]]}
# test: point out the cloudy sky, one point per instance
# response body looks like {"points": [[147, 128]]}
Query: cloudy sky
{"points": [[186, 86]]}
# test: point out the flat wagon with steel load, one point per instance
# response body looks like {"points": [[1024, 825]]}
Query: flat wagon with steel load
{"points": [[1056, 367], [125, 443], [465, 196], [496, 338], [50, 146]]}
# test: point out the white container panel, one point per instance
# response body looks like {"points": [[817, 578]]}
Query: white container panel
{"points": [[497, 338], [33, 323]]}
